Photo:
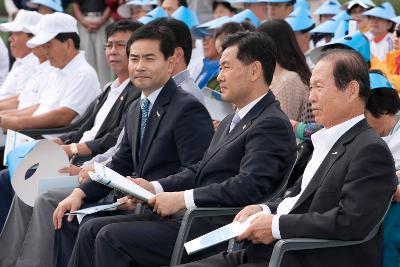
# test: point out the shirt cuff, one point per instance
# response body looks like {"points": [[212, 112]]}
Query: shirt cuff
{"points": [[275, 227], [189, 199], [265, 208], [157, 187]]}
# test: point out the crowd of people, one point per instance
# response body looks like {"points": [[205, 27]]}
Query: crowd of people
{"points": [[126, 79]]}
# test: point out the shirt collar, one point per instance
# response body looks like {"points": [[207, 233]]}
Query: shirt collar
{"points": [[152, 97], [243, 111], [27, 59], [326, 138], [73, 63], [181, 76], [119, 87]]}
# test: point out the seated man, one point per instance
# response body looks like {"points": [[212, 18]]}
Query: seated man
{"points": [[249, 155], [167, 130], [345, 188], [70, 89], [26, 63]]}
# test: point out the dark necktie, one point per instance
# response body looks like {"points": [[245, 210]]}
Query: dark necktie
{"points": [[144, 107]]}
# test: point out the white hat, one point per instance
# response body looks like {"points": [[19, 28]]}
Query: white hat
{"points": [[51, 25], [24, 18]]}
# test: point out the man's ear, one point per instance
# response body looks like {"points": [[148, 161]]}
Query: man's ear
{"points": [[256, 70], [179, 53], [353, 89]]}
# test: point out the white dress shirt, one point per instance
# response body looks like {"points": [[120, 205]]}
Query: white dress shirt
{"points": [[75, 86], [113, 95], [188, 194], [186, 82], [4, 62], [151, 97], [18, 76], [36, 86], [323, 141]]}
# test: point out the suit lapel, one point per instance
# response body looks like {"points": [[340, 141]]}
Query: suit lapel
{"points": [[242, 126], [333, 155], [119, 103], [136, 133], [156, 114]]}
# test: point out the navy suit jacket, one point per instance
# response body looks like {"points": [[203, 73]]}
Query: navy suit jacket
{"points": [[244, 166], [344, 200], [178, 131], [109, 131]]}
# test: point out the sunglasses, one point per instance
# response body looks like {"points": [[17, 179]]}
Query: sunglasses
{"points": [[397, 32]]}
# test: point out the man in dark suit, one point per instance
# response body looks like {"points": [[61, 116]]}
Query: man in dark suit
{"points": [[346, 186], [106, 117], [166, 130], [249, 155]]}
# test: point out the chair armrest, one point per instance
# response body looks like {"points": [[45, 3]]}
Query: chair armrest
{"points": [[285, 245], [187, 220]]}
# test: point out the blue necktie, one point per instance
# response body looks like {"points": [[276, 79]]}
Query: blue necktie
{"points": [[234, 122], [144, 107]]}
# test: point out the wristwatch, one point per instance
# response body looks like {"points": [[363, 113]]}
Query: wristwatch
{"points": [[74, 149]]}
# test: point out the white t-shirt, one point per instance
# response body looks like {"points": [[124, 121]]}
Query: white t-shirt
{"points": [[381, 48], [75, 86], [35, 86], [18, 76], [4, 62], [114, 93]]}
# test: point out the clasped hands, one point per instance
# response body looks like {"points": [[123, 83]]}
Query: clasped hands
{"points": [[260, 229]]}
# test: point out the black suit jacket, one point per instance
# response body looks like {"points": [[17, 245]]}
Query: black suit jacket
{"points": [[343, 201], [179, 130], [245, 165], [109, 131]]}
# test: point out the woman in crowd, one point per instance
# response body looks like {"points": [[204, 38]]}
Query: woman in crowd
{"points": [[290, 82]]}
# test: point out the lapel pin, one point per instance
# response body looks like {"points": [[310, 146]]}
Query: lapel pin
{"points": [[121, 98], [334, 153], [244, 126], [158, 114]]}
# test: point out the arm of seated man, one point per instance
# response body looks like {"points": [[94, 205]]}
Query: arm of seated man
{"points": [[28, 111], [54, 118], [83, 150], [9, 103]]}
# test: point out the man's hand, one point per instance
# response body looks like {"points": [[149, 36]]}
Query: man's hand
{"points": [[67, 150], [84, 173], [260, 230], [127, 203], [72, 203], [168, 203], [143, 183], [246, 212], [71, 170]]}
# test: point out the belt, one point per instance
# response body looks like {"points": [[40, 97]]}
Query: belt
{"points": [[93, 14]]}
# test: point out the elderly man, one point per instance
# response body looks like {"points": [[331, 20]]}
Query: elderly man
{"points": [[238, 167], [26, 63], [345, 188]]}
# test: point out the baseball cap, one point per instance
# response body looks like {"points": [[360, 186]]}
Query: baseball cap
{"points": [[53, 4], [24, 18], [51, 25]]}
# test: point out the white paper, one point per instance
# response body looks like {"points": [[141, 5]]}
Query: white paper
{"points": [[47, 183], [91, 210], [49, 158], [13, 140], [113, 179], [218, 109], [220, 235]]}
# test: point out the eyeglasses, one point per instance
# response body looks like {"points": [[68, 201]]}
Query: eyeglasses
{"points": [[118, 45], [397, 32]]}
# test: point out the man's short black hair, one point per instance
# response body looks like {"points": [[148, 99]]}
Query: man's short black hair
{"points": [[123, 25], [64, 36], [349, 66], [254, 46], [180, 3], [226, 4], [158, 33], [182, 34]]}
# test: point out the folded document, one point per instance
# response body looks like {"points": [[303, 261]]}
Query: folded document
{"points": [[220, 235], [110, 178]]}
